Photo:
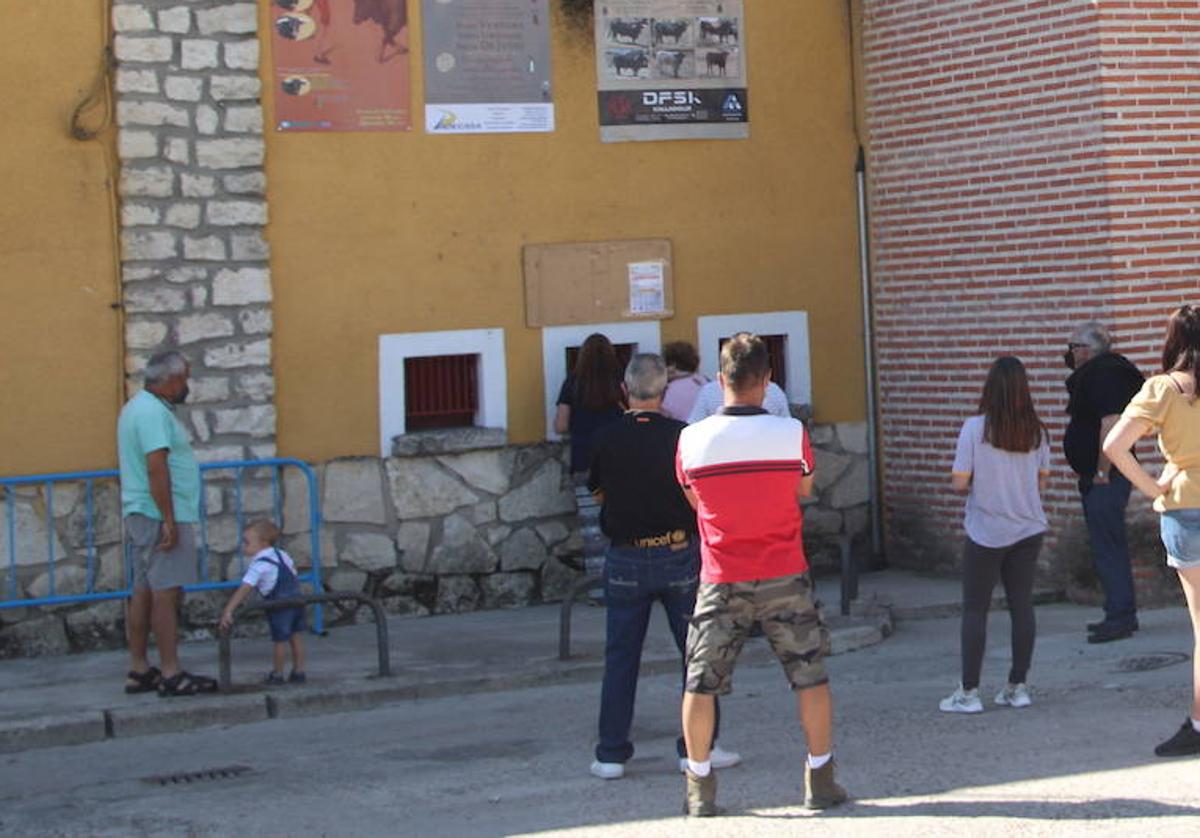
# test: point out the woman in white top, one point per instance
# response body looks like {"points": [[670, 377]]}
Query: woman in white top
{"points": [[1002, 462], [683, 382]]}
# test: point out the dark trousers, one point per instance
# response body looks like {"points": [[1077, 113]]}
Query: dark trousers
{"points": [[634, 579], [982, 567], [1104, 510]]}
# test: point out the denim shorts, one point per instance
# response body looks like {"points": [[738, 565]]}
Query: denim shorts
{"points": [[284, 622], [1180, 530]]}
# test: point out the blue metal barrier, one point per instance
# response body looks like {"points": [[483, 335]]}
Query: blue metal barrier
{"points": [[11, 597]]}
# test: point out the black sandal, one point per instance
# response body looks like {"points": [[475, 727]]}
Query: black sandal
{"points": [[143, 682], [185, 683]]}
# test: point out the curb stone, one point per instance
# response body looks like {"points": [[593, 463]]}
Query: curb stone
{"points": [[51, 731]]}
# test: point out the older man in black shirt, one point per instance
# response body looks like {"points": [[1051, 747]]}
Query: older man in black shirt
{"points": [[1101, 385], [654, 555]]}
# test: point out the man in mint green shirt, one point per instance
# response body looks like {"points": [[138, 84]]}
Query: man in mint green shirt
{"points": [[160, 503]]}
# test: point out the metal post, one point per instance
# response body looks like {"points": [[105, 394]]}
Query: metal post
{"points": [[225, 665], [864, 256], [849, 574], [383, 652], [564, 614]]}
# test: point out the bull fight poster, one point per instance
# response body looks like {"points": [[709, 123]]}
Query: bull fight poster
{"points": [[671, 69], [341, 65], [487, 66]]}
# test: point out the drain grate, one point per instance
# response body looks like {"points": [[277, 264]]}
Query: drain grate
{"points": [[229, 772], [1154, 660]]}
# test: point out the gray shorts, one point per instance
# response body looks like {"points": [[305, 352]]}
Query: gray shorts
{"points": [[153, 568]]}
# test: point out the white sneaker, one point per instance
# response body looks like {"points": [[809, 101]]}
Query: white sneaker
{"points": [[608, 770], [962, 701], [1014, 695], [718, 756]]}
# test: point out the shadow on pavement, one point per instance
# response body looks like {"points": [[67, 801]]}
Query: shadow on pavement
{"points": [[1109, 808]]}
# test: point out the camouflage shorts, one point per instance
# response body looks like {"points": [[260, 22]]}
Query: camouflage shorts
{"points": [[726, 612]]}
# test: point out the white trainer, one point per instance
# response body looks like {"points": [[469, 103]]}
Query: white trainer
{"points": [[1014, 695], [961, 701], [718, 756], [608, 770]]}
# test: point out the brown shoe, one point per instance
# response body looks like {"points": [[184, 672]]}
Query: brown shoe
{"points": [[701, 800], [820, 789]]}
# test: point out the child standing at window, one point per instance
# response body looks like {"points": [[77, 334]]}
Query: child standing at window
{"points": [[273, 574]]}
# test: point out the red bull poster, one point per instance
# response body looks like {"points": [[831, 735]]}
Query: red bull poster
{"points": [[341, 65], [671, 69]]}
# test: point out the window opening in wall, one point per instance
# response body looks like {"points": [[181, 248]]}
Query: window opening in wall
{"points": [[777, 352], [624, 356], [441, 391]]}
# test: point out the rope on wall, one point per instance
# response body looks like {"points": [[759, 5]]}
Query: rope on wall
{"points": [[98, 96]]}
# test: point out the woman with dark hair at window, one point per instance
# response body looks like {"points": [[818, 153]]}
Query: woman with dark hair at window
{"points": [[590, 398], [1002, 463], [1166, 406]]}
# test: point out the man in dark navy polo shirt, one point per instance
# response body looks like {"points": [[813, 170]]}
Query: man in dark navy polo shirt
{"points": [[654, 555], [1101, 384]]}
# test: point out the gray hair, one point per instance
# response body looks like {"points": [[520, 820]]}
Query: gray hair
{"points": [[165, 365], [1094, 334], [646, 376]]}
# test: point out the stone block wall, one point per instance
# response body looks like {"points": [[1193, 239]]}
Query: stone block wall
{"points": [[840, 505], [195, 271], [450, 523], [444, 533]]}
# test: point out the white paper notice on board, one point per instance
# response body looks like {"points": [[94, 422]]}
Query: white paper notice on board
{"points": [[646, 283]]}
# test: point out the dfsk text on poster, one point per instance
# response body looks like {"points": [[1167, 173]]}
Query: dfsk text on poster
{"points": [[671, 69]]}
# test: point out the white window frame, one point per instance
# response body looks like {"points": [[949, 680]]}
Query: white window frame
{"points": [[645, 335], [711, 329], [488, 344]]}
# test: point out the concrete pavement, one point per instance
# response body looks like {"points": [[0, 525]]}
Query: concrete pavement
{"points": [[1079, 762], [75, 699]]}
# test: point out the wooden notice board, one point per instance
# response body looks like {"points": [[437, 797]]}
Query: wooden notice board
{"points": [[598, 282]]}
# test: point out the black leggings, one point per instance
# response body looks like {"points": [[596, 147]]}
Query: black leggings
{"points": [[982, 566]]}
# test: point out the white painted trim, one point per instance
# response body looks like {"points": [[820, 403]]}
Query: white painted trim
{"points": [[488, 344], [645, 335], [711, 329]]}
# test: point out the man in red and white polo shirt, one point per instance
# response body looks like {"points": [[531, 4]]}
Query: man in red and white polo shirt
{"points": [[745, 471]]}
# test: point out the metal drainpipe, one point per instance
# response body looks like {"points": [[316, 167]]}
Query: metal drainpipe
{"points": [[860, 173]]}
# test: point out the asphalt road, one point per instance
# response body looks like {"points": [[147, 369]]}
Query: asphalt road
{"points": [[1078, 762]]}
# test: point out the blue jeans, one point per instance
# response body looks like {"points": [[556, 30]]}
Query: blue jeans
{"points": [[634, 579], [1104, 510]]}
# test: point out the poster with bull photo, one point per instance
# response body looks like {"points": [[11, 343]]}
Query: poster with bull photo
{"points": [[671, 69], [487, 66], [341, 65]]}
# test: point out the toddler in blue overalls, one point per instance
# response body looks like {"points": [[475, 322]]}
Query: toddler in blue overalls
{"points": [[273, 574]]}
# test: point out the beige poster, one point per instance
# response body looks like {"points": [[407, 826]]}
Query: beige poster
{"points": [[487, 66], [671, 69]]}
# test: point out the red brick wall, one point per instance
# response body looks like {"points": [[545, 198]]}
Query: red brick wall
{"points": [[1032, 165]]}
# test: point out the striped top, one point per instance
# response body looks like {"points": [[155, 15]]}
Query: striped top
{"points": [[744, 467]]}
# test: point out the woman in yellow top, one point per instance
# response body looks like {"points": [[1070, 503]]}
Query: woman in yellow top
{"points": [[1167, 406]]}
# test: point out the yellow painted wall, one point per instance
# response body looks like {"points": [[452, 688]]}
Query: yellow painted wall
{"points": [[377, 233], [60, 352]]}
